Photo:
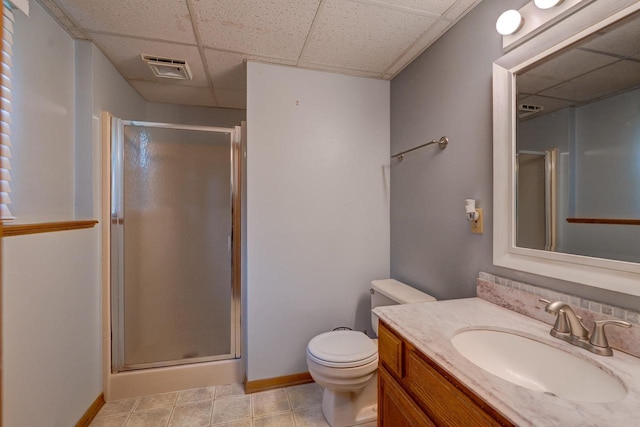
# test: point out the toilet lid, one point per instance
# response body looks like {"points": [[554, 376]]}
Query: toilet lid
{"points": [[343, 347]]}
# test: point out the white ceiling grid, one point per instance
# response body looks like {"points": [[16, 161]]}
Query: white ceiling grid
{"points": [[366, 38]]}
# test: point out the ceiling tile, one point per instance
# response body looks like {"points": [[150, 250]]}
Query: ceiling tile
{"points": [[570, 64], [275, 28], [599, 83], [358, 73], [174, 94], [437, 7], [621, 40], [161, 19], [461, 8], [229, 98], [530, 83], [361, 36], [227, 70], [353, 37], [125, 53], [523, 96]]}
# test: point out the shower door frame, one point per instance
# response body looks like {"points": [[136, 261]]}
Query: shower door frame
{"points": [[550, 158], [117, 242]]}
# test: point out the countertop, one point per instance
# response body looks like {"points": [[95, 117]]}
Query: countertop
{"points": [[430, 326]]}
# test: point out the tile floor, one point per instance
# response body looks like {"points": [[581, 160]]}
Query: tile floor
{"points": [[220, 406]]}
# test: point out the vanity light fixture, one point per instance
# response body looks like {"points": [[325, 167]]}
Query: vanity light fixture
{"points": [[546, 4], [509, 22]]}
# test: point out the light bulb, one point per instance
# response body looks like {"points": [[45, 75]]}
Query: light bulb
{"points": [[509, 22], [546, 4]]}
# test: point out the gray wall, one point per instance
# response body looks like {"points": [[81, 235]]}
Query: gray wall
{"points": [[447, 91]]}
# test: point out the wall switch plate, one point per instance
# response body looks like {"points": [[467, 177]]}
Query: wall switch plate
{"points": [[477, 226]]}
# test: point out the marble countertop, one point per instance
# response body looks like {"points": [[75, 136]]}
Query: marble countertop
{"points": [[430, 326]]}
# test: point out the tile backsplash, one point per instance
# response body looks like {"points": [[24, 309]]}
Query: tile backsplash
{"points": [[524, 298]]}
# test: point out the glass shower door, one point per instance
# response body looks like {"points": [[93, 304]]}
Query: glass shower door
{"points": [[173, 227]]}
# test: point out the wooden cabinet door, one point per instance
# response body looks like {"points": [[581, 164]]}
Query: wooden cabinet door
{"points": [[395, 407], [444, 403]]}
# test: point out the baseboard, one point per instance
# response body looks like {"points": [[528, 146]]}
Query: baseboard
{"points": [[91, 413], [277, 382]]}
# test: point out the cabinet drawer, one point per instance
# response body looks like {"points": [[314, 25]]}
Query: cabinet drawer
{"points": [[440, 399], [390, 350], [395, 407]]}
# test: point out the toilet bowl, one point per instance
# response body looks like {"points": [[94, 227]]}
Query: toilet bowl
{"points": [[345, 363]]}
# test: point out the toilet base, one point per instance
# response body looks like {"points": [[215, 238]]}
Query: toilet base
{"points": [[354, 408]]}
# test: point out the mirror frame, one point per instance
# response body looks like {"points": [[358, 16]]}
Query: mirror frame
{"points": [[619, 276]]}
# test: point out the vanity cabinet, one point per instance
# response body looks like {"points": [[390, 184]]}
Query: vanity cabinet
{"points": [[413, 391]]}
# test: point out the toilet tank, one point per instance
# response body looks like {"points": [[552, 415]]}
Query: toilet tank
{"points": [[391, 292]]}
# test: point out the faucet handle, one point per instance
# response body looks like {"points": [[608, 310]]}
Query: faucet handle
{"points": [[562, 322], [598, 337]]}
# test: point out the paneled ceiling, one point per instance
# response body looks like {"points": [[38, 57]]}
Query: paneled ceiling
{"points": [[366, 38]]}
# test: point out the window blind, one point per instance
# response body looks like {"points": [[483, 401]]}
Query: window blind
{"points": [[5, 119]]}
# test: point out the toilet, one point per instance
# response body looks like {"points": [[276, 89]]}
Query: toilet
{"points": [[345, 363]]}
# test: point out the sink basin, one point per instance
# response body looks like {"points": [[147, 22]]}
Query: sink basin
{"points": [[538, 366]]}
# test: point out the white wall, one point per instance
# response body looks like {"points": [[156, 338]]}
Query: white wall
{"points": [[51, 371], [317, 209], [608, 152], [43, 110], [98, 87], [51, 303], [194, 115]]}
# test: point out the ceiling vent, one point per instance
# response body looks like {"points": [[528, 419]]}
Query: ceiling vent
{"points": [[526, 110], [168, 68]]}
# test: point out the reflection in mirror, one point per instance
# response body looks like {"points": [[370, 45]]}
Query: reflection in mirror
{"points": [[578, 147], [536, 199]]}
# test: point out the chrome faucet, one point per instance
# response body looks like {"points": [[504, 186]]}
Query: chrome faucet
{"points": [[569, 327]]}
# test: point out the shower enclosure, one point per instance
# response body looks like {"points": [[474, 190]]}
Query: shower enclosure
{"points": [[174, 294], [536, 193]]}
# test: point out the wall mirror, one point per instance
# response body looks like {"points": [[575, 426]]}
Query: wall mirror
{"points": [[567, 151]]}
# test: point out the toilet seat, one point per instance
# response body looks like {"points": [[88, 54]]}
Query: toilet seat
{"points": [[342, 349]]}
